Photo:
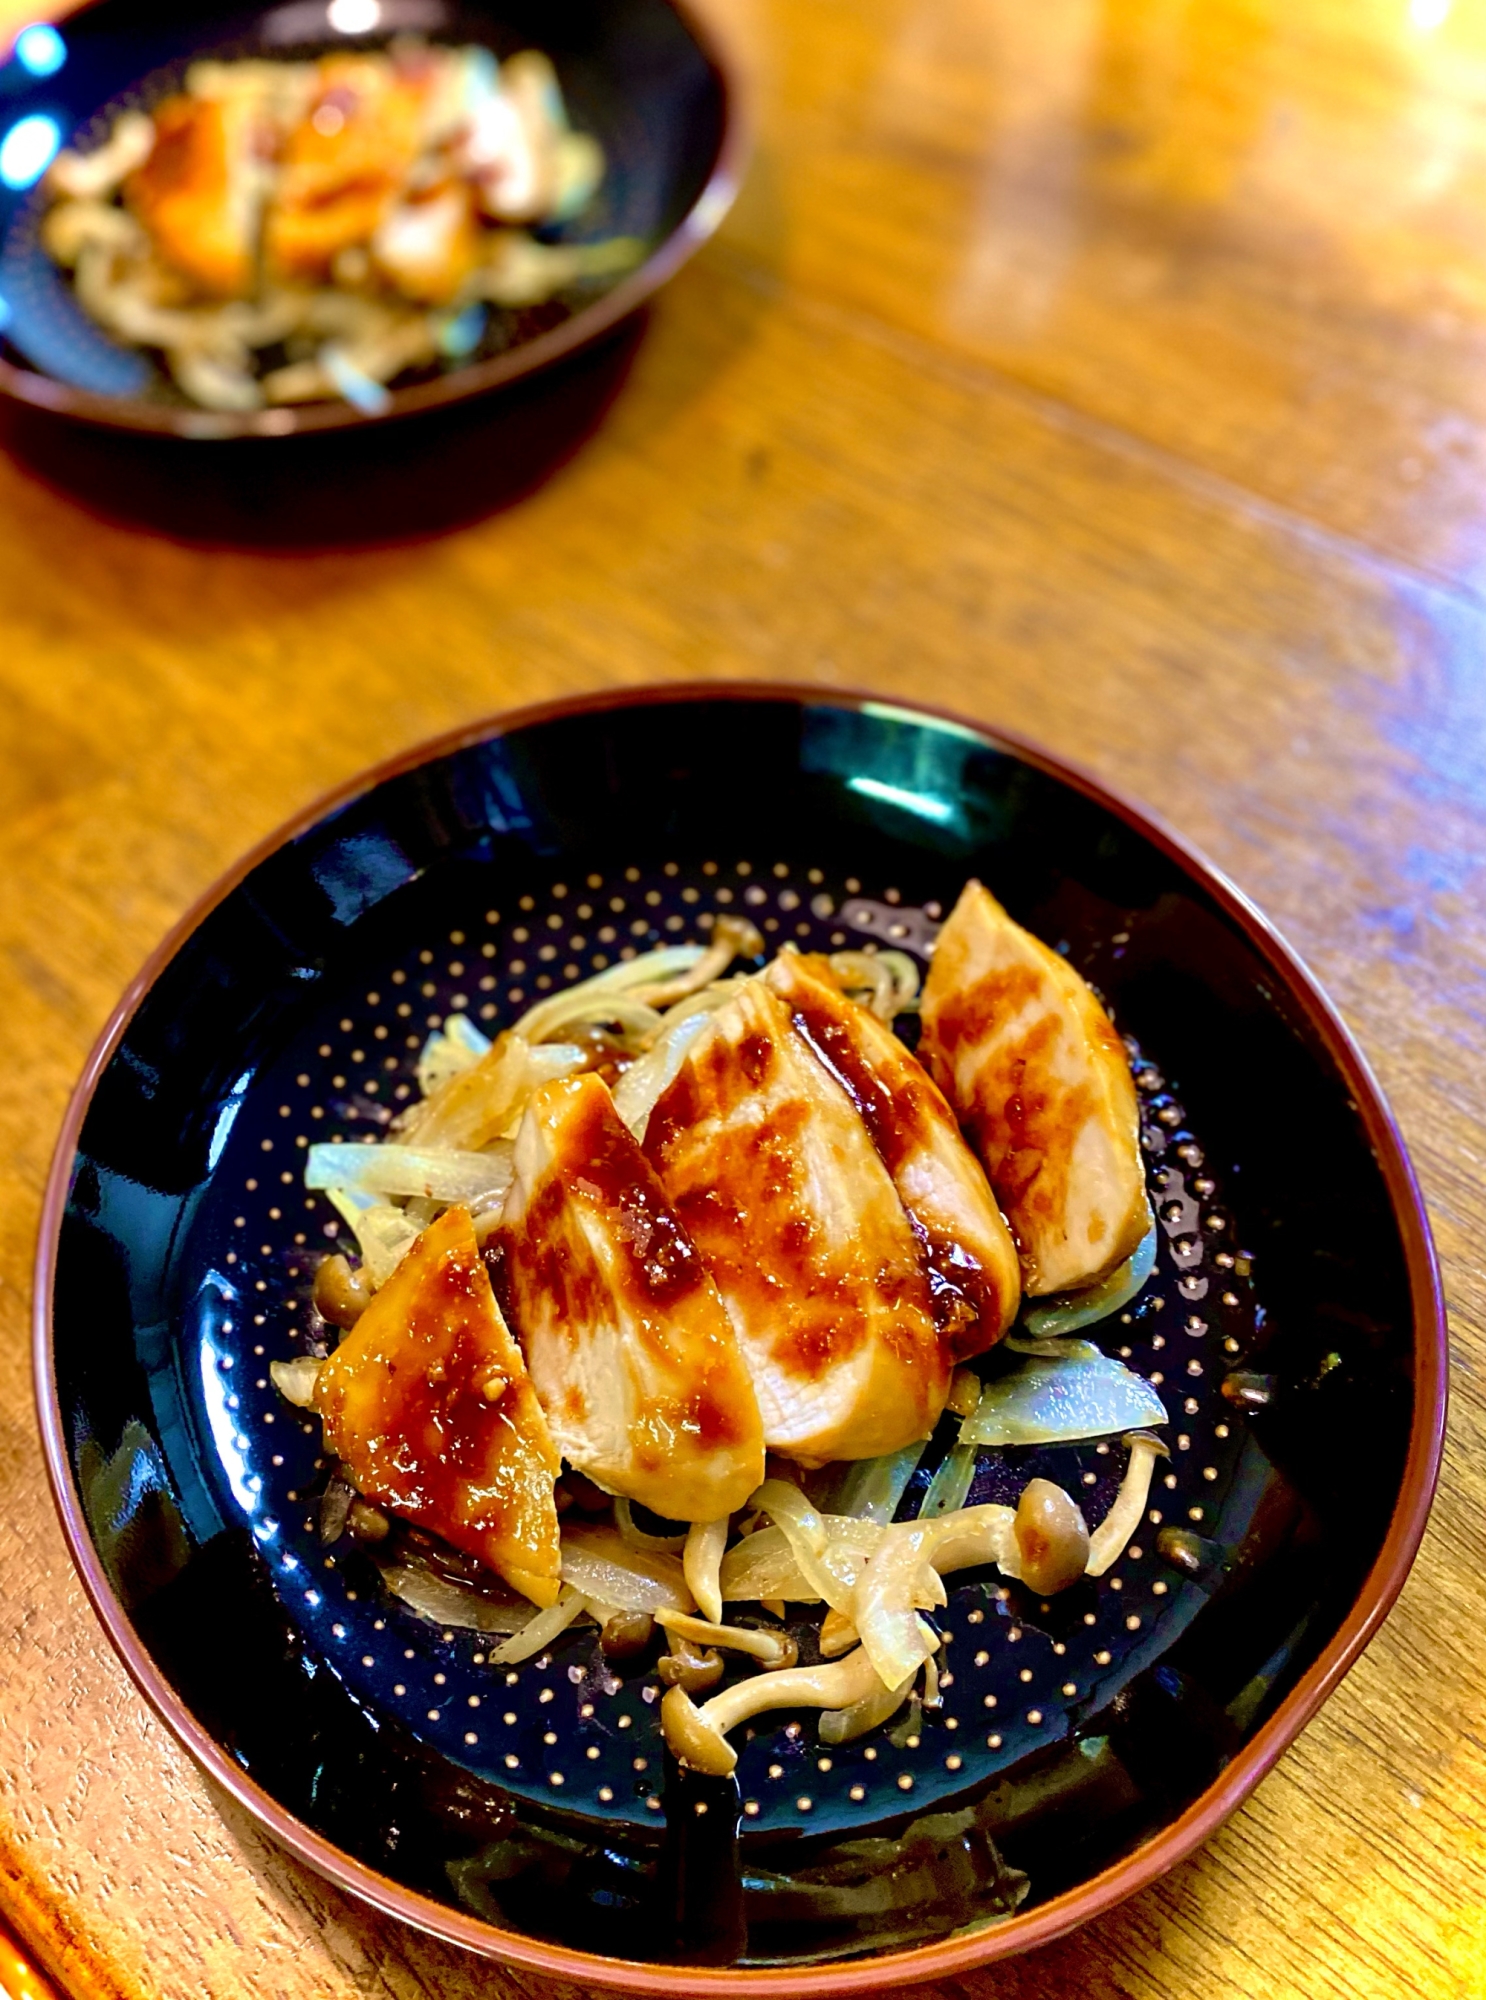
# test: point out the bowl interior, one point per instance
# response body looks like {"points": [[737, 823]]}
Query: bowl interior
{"points": [[633, 73], [540, 1800]]}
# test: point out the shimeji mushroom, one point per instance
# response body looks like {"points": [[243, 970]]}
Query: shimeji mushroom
{"points": [[698, 1736], [1107, 1543], [771, 1649]]}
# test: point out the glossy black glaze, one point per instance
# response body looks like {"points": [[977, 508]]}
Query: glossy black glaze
{"points": [[633, 73], [174, 1270]]}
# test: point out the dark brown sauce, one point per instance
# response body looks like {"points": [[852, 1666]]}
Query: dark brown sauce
{"points": [[407, 1412], [655, 1282], [739, 1184], [900, 1114], [1024, 1120]]}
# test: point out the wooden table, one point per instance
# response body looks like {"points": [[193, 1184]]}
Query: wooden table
{"points": [[1111, 369]]}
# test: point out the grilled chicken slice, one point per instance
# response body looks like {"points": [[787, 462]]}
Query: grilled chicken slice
{"points": [[428, 1404], [200, 192], [975, 1280], [628, 1344], [344, 161], [1027, 1057], [780, 1188]]}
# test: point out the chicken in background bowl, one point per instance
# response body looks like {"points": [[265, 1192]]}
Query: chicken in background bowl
{"points": [[290, 232]]}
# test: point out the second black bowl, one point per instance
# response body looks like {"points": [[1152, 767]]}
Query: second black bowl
{"points": [[641, 75]]}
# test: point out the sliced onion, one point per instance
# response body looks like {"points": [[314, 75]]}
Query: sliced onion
{"points": [[636, 1538], [879, 1704], [540, 1630], [384, 1235], [871, 1489], [650, 968], [449, 1051], [639, 1090], [434, 1175], [1108, 1541], [903, 1578], [887, 982], [831, 1575], [1048, 1318], [443, 1602], [295, 1380], [484, 1102], [598, 1562], [896, 1580], [1080, 1393], [636, 1020], [763, 1565], [951, 1482]]}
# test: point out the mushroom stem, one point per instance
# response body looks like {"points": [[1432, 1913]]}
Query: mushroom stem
{"points": [[698, 1736], [702, 1564], [771, 1649], [1107, 1543], [732, 937]]}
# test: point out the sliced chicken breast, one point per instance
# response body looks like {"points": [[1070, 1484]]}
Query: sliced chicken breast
{"points": [[200, 192], [975, 1281], [629, 1346], [343, 162], [428, 1404], [779, 1186], [1038, 1076]]}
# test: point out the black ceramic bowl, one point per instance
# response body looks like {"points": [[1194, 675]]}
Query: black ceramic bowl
{"points": [[1293, 1321], [639, 74]]}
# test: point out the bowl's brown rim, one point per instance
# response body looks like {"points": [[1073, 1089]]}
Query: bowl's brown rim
{"points": [[949, 1956], [39, 391]]}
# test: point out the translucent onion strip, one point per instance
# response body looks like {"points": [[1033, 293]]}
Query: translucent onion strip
{"points": [[540, 1630], [1068, 1311], [598, 1562], [295, 1380], [651, 968], [763, 1566], [873, 1488], [449, 1051], [384, 1235], [443, 1602], [636, 1020], [1050, 1399], [410, 1170], [830, 1577], [951, 1483], [638, 1091], [879, 1704], [1109, 1540], [895, 1638], [636, 1537], [484, 1102]]}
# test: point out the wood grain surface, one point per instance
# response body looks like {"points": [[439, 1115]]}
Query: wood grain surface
{"points": [[1110, 369]]}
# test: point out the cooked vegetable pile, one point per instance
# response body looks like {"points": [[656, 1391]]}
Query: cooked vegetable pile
{"points": [[715, 1247], [285, 232]]}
